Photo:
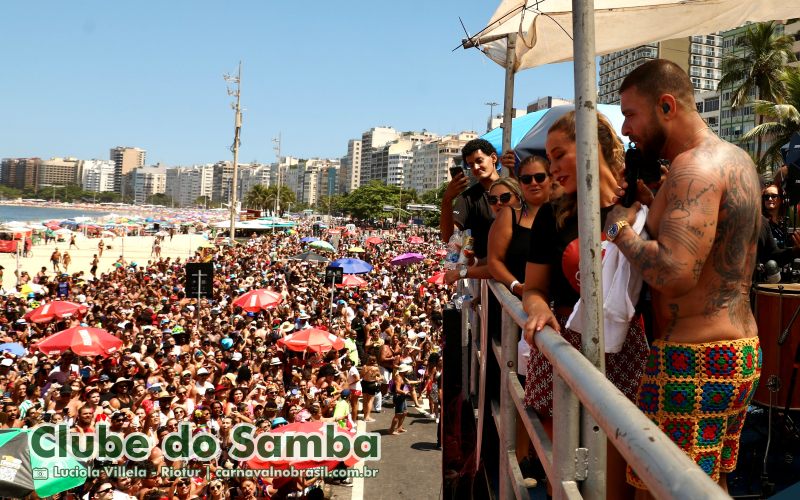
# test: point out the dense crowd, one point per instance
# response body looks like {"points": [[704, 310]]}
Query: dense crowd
{"points": [[214, 365]]}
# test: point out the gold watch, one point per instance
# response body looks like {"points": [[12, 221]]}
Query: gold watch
{"points": [[615, 228]]}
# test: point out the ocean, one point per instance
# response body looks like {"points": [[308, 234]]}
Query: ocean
{"points": [[38, 214]]}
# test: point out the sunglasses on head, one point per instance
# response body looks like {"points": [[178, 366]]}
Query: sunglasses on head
{"points": [[538, 177], [770, 196], [503, 198]]}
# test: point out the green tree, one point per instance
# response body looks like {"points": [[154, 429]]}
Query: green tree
{"points": [[784, 119], [367, 202], [160, 199], [202, 201], [260, 197], [757, 68]]}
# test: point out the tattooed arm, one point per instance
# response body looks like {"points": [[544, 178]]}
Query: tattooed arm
{"points": [[683, 220]]}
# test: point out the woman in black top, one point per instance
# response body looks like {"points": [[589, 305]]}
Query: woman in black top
{"points": [[552, 276], [510, 234]]}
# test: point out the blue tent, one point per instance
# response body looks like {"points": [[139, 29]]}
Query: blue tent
{"points": [[529, 132]]}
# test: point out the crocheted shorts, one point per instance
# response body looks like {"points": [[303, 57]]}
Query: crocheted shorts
{"points": [[698, 395]]}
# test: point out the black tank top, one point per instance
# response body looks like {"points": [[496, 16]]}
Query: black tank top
{"points": [[517, 252]]}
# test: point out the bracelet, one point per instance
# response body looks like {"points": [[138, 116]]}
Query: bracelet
{"points": [[513, 284]]}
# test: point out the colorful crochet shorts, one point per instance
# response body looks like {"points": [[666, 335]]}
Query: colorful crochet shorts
{"points": [[698, 395]]}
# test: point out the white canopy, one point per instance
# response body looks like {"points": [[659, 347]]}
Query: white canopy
{"points": [[545, 28]]}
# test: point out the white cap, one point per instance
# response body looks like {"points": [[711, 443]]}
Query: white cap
{"points": [[202, 371], [7, 362], [237, 356]]}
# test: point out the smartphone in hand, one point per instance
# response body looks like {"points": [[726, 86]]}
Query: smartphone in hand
{"points": [[454, 171]]}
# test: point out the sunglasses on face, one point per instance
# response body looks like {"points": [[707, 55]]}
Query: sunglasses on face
{"points": [[503, 198], [538, 177], [770, 196]]}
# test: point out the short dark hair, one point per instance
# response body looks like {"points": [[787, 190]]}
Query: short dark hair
{"points": [[658, 77], [475, 145]]}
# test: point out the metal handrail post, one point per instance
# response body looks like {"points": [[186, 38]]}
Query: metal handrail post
{"points": [[509, 337], [589, 227], [566, 434], [508, 96], [485, 354]]}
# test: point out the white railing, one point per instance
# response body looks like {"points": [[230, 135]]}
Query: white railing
{"points": [[567, 459]]}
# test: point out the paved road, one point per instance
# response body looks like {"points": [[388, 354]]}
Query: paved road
{"points": [[410, 465]]}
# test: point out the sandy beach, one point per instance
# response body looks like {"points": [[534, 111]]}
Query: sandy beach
{"points": [[136, 249]]}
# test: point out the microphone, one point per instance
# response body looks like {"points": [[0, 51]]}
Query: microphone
{"points": [[772, 273]]}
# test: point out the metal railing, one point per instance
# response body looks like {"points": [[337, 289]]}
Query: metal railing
{"points": [[573, 469]]}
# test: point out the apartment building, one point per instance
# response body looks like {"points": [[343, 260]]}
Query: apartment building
{"points": [[97, 175], [125, 159], [20, 173]]}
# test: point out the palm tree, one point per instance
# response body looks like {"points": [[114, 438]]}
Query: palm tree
{"points": [[758, 68], [784, 118], [258, 197]]}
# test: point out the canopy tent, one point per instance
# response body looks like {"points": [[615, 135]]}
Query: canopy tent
{"points": [[528, 133], [546, 32]]}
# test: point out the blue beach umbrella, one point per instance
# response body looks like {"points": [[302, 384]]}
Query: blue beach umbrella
{"points": [[309, 239], [13, 347], [352, 266]]}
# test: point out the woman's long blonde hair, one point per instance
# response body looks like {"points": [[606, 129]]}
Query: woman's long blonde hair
{"points": [[611, 148]]}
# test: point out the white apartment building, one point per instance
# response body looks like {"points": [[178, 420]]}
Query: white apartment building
{"points": [[251, 175], [147, 181], [371, 140], [98, 175], [432, 161], [350, 171], [186, 184], [708, 106]]}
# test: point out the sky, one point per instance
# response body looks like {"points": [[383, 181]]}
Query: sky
{"points": [[83, 77]]}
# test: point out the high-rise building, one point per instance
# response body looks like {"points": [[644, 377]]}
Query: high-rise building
{"points": [[251, 175], [350, 172], [432, 161], [188, 185], [223, 178], [707, 103], [144, 182], [547, 102], [59, 172], [371, 140], [699, 55], [98, 175], [20, 173], [125, 159]]}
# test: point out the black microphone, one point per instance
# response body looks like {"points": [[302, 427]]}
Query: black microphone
{"points": [[772, 273]]}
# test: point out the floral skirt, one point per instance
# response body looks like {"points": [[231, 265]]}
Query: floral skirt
{"points": [[624, 369]]}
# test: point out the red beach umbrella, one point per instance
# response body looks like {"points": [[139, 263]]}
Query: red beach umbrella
{"points": [[312, 339], [257, 300], [374, 240], [437, 279], [352, 280], [58, 309], [415, 240], [310, 427], [81, 340], [441, 252]]}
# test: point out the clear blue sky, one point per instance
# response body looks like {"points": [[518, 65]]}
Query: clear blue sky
{"points": [[82, 77]]}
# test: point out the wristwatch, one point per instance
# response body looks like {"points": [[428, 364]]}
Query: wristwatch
{"points": [[615, 228], [462, 273]]}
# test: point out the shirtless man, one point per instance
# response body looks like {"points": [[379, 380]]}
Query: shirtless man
{"points": [[704, 225]]}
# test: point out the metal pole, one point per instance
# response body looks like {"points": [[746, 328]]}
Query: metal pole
{"points": [[17, 264], [508, 98], [237, 129], [278, 193], [589, 227], [508, 411]]}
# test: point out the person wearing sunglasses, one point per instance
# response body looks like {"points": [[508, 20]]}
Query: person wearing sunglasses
{"points": [[103, 492], [774, 209], [551, 275], [510, 234]]}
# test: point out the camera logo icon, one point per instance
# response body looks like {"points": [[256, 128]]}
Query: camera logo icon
{"points": [[39, 473]]}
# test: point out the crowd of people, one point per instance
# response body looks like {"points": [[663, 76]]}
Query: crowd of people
{"points": [[213, 365], [681, 340]]}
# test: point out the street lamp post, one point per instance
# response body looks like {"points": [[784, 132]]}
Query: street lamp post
{"points": [[491, 105], [237, 81]]}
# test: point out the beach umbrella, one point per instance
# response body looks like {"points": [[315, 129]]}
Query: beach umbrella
{"points": [[352, 266], [258, 300], [14, 348], [310, 427], [309, 239], [437, 279], [322, 245], [407, 258], [356, 250], [352, 280], [441, 252], [312, 339], [23, 472], [309, 257], [374, 240], [63, 231], [415, 240], [81, 340], [57, 309]]}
